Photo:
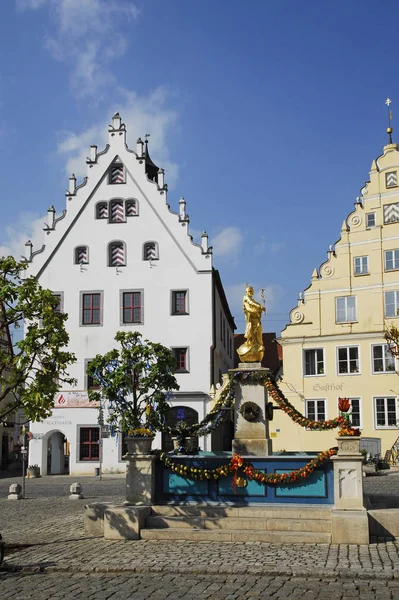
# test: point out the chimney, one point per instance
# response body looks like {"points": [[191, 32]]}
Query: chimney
{"points": [[72, 184], [50, 217], [140, 146]]}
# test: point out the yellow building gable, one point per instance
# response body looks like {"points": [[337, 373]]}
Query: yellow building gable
{"points": [[334, 344]]}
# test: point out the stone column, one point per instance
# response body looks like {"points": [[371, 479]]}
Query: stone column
{"points": [[251, 438], [140, 479], [349, 517]]}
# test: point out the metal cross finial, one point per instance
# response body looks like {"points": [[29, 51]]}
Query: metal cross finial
{"points": [[388, 102], [147, 135]]}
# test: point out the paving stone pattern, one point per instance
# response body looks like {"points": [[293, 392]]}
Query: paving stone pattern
{"points": [[50, 556]]}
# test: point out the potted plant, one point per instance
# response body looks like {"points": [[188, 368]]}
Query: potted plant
{"points": [[135, 379], [183, 442]]}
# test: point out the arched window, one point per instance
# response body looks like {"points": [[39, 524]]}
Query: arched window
{"points": [[116, 254], [102, 210], [131, 208], [150, 251], [81, 255], [117, 213]]}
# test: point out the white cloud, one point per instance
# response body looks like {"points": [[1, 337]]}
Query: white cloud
{"points": [[28, 226], [87, 36], [227, 242], [263, 246], [141, 114]]}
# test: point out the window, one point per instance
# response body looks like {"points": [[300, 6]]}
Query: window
{"points": [[117, 174], [116, 254], [391, 213], [132, 307], [132, 209], [81, 255], [348, 360], [355, 415], [102, 210], [117, 212], [391, 303], [179, 302], [391, 179], [385, 412], [315, 410], [370, 219], [383, 360], [60, 302], [91, 308], [391, 260], [150, 251], [89, 448], [314, 361], [180, 356], [345, 309], [91, 382], [361, 265]]}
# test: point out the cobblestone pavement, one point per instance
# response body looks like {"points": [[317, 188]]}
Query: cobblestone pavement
{"points": [[50, 556], [201, 587]]}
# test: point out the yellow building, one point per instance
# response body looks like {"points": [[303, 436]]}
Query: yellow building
{"points": [[334, 344]]}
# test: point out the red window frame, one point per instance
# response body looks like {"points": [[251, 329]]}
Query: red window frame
{"points": [[89, 447], [180, 355], [91, 313], [179, 306], [132, 307]]}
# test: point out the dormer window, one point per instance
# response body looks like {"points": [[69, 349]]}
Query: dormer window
{"points": [[81, 255], [132, 208], [150, 251], [116, 254], [117, 174], [116, 212], [102, 210]]}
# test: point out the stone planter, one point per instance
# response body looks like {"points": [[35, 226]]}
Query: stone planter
{"points": [[348, 445], [137, 445], [190, 444], [33, 472]]}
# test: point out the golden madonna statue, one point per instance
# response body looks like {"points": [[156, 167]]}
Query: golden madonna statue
{"points": [[253, 349]]}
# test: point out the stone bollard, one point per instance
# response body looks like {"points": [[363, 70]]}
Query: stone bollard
{"points": [[76, 492], [14, 492]]}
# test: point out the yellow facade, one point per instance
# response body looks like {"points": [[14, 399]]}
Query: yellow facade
{"points": [[334, 344]]}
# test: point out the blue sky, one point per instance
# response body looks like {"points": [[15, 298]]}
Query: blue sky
{"points": [[265, 115]]}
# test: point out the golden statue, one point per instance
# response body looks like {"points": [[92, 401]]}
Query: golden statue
{"points": [[253, 349]]}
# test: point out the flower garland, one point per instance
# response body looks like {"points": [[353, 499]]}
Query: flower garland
{"points": [[237, 463], [221, 410]]}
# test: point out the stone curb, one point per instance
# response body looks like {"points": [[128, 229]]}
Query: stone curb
{"points": [[299, 573]]}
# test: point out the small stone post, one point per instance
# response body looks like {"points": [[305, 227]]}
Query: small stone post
{"points": [[14, 492], [76, 492], [349, 517], [251, 437]]}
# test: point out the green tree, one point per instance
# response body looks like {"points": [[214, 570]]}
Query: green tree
{"points": [[391, 335], [135, 378], [34, 370]]}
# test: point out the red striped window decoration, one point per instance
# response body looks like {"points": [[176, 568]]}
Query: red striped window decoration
{"points": [[180, 355], [131, 208], [117, 254], [132, 307], [117, 174], [89, 447], [102, 210], [179, 302], [150, 251], [117, 212], [81, 255], [91, 309]]}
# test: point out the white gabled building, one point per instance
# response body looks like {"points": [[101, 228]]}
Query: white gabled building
{"points": [[119, 258]]}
